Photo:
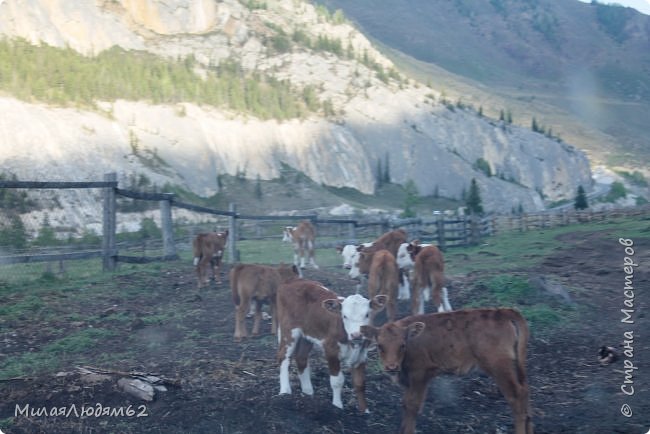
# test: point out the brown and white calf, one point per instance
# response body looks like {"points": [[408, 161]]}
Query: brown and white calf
{"points": [[405, 257], [310, 314], [415, 349], [350, 253], [253, 285], [303, 238], [389, 241], [383, 278], [428, 279], [208, 251]]}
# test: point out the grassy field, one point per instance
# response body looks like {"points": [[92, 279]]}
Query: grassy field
{"points": [[50, 301]]}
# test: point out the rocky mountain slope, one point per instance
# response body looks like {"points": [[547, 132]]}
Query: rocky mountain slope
{"points": [[582, 69], [378, 116]]}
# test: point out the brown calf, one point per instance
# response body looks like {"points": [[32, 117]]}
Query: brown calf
{"points": [[383, 278], [208, 250], [428, 280], [259, 284], [303, 238], [310, 314], [415, 349], [389, 241]]}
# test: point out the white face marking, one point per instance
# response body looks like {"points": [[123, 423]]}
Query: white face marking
{"points": [[287, 236], [404, 257], [348, 253], [355, 312], [354, 270], [351, 255]]}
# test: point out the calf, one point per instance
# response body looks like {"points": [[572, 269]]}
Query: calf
{"points": [[383, 279], [208, 251], [405, 257], [350, 254], [252, 285], [310, 314], [389, 241], [428, 277], [303, 238], [415, 349]]}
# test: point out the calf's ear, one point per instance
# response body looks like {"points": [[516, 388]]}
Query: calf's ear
{"points": [[332, 305], [378, 302], [414, 329], [369, 332]]}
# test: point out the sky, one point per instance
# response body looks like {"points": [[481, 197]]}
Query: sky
{"points": [[640, 5]]}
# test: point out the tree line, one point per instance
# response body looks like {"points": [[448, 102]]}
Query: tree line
{"points": [[61, 76]]}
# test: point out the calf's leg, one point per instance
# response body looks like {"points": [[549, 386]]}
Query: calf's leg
{"points": [[359, 383], [302, 362], [412, 404]]}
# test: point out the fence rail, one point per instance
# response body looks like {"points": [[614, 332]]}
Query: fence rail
{"points": [[444, 230]]}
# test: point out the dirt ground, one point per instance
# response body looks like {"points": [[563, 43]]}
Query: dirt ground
{"points": [[227, 387]]}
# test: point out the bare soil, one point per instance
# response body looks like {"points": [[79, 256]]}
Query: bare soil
{"points": [[227, 387]]}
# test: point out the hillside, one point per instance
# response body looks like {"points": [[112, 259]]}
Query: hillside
{"points": [[194, 91], [580, 69]]}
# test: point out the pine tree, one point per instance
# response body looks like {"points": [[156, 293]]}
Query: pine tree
{"points": [[473, 202], [581, 199], [258, 188], [379, 175], [386, 175], [534, 125], [411, 199]]}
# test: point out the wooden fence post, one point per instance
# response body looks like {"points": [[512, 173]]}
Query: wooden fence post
{"points": [[352, 232], [166, 221], [465, 234], [233, 255], [109, 225], [474, 229], [441, 231]]}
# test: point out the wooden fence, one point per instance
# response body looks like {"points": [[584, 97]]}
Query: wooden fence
{"points": [[444, 230]]}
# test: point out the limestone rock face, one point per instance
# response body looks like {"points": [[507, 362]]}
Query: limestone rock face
{"points": [[189, 145]]}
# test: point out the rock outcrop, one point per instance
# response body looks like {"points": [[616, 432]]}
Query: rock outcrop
{"points": [[425, 139]]}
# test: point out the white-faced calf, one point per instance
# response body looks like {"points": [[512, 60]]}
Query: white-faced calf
{"points": [[303, 239], [389, 241], [253, 285], [415, 349], [310, 314]]}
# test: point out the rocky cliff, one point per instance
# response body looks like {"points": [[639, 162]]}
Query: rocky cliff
{"points": [[425, 138]]}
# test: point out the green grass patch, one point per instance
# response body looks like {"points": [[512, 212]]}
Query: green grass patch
{"points": [[515, 250], [53, 355], [6, 423], [542, 313], [274, 251]]}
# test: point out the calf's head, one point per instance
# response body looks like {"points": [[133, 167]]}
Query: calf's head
{"points": [[391, 342], [349, 253], [287, 234], [355, 312], [404, 256], [361, 261]]}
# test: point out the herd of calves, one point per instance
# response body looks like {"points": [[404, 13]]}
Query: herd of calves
{"points": [[412, 350]]}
